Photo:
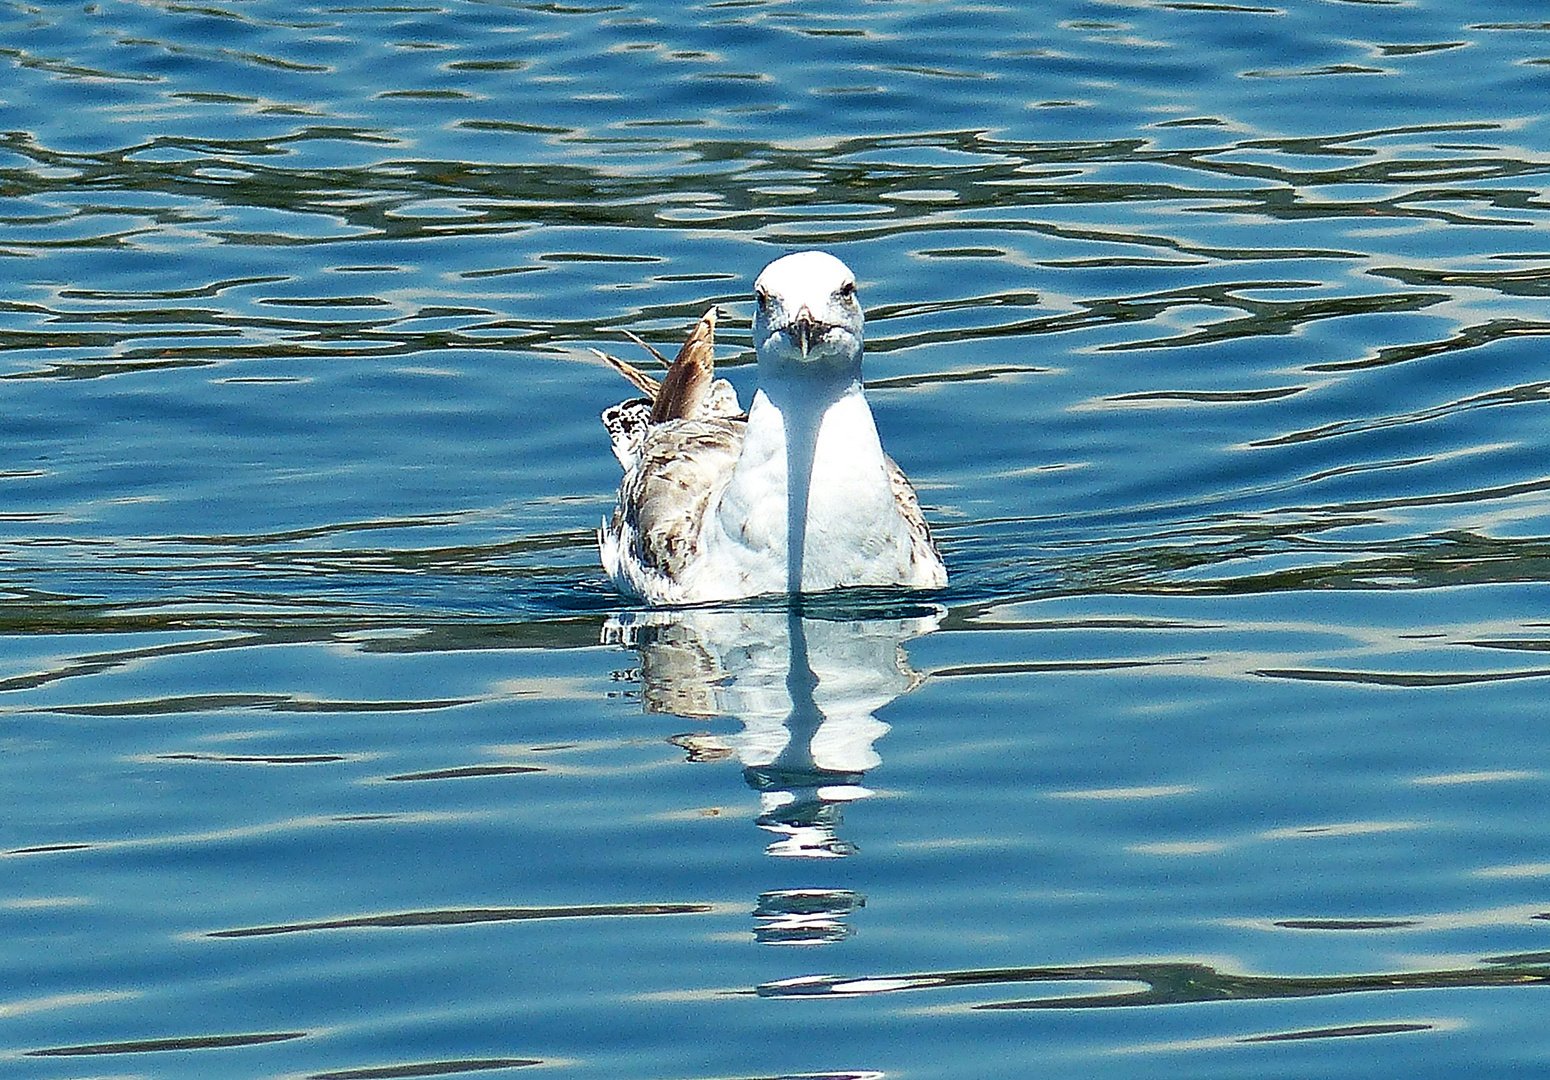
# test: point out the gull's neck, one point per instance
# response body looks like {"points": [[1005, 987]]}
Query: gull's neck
{"points": [[802, 395]]}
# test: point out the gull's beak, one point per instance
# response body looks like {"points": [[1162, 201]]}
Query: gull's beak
{"points": [[802, 328]]}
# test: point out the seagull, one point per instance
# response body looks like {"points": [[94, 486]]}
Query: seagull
{"points": [[795, 496]]}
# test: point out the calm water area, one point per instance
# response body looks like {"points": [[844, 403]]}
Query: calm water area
{"points": [[1211, 333]]}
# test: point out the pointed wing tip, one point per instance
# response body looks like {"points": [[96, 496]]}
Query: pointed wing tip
{"points": [[638, 378], [688, 379], [688, 376], [701, 340]]}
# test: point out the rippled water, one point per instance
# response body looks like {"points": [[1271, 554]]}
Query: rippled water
{"points": [[1209, 333]]}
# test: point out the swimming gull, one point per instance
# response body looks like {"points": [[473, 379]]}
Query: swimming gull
{"points": [[797, 495]]}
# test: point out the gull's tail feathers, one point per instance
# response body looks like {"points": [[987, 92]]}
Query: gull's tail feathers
{"points": [[627, 423]]}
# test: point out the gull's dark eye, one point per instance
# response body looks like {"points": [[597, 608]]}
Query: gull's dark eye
{"points": [[848, 290], [761, 296]]}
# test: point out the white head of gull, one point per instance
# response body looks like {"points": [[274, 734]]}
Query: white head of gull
{"points": [[797, 497]]}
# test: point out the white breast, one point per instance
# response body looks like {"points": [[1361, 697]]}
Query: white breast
{"points": [[855, 533]]}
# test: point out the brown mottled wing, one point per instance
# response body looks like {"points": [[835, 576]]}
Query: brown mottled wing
{"points": [[688, 378], [922, 547], [682, 465]]}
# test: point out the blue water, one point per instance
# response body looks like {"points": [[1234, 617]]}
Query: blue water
{"points": [[1209, 333]]}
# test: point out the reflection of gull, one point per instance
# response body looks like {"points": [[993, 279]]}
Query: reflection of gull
{"points": [[706, 511], [805, 690]]}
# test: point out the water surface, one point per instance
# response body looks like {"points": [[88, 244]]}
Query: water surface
{"points": [[1208, 332]]}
